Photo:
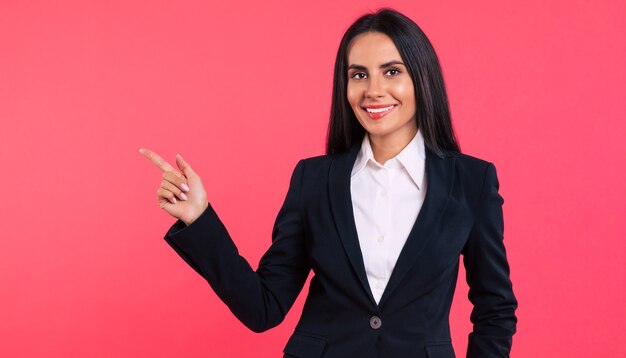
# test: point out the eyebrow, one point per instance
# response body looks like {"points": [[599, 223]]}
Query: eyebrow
{"points": [[386, 64]]}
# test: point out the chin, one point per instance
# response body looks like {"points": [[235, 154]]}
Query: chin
{"points": [[377, 129]]}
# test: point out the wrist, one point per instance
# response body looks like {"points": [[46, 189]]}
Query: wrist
{"points": [[195, 217]]}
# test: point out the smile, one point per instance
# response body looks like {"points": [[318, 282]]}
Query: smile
{"points": [[376, 112]]}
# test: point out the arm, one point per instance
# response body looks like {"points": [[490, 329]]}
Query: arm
{"points": [[487, 274], [260, 299]]}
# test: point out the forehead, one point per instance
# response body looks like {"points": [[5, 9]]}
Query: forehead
{"points": [[372, 48]]}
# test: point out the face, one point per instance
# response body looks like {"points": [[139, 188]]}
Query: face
{"points": [[380, 90]]}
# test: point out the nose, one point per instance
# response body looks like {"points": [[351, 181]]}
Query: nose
{"points": [[375, 88]]}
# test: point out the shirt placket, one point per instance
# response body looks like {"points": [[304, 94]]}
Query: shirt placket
{"points": [[383, 217]]}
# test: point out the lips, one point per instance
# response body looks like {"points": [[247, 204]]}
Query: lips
{"points": [[377, 111]]}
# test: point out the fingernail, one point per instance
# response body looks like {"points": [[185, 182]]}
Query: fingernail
{"points": [[173, 200], [184, 186], [183, 196]]}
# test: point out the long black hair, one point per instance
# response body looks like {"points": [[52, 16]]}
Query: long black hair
{"points": [[431, 100]]}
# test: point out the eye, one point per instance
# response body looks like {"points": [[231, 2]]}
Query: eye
{"points": [[358, 75], [393, 71]]}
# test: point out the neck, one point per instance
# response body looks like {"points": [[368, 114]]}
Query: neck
{"points": [[387, 147]]}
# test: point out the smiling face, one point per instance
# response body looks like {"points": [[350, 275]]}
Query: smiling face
{"points": [[380, 90]]}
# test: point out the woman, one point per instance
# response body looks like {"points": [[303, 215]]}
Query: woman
{"points": [[381, 219]]}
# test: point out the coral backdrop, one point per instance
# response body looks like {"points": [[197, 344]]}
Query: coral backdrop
{"points": [[242, 90]]}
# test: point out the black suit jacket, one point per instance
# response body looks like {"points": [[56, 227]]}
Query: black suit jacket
{"points": [[315, 229]]}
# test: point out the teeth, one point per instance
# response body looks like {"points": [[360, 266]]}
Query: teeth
{"points": [[378, 110]]}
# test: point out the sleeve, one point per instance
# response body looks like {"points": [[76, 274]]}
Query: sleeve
{"points": [[487, 274], [259, 299]]}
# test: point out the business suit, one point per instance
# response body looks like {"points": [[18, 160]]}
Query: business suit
{"points": [[315, 229]]}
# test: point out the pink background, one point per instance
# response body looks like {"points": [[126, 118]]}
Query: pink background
{"points": [[242, 90]]}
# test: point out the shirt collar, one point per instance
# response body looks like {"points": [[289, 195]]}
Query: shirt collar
{"points": [[412, 157]]}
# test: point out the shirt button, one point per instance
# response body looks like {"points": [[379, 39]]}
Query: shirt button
{"points": [[383, 192], [380, 239], [375, 322]]}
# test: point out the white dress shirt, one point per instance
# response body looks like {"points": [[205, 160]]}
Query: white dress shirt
{"points": [[386, 200]]}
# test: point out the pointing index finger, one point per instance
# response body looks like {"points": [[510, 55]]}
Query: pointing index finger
{"points": [[156, 159]]}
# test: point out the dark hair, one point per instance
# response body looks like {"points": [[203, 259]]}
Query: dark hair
{"points": [[431, 102]]}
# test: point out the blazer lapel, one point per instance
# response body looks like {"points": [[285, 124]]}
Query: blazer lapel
{"points": [[439, 176], [341, 206]]}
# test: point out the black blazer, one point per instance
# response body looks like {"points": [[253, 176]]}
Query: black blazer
{"points": [[315, 229]]}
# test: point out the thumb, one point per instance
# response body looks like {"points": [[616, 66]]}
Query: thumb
{"points": [[184, 166]]}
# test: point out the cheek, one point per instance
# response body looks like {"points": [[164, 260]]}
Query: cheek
{"points": [[405, 92], [402, 90], [354, 94]]}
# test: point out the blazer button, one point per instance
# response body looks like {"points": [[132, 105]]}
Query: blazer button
{"points": [[375, 322]]}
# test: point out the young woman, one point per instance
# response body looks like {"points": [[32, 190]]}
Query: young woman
{"points": [[381, 219]]}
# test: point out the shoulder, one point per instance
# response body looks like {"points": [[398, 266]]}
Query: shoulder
{"points": [[472, 171], [311, 174], [318, 160], [315, 172], [320, 163], [316, 167], [468, 163]]}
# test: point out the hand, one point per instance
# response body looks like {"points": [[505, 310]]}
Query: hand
{"points": [[181, 195]]}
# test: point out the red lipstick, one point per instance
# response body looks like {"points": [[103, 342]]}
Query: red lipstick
{"points": [[378, 111]]}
